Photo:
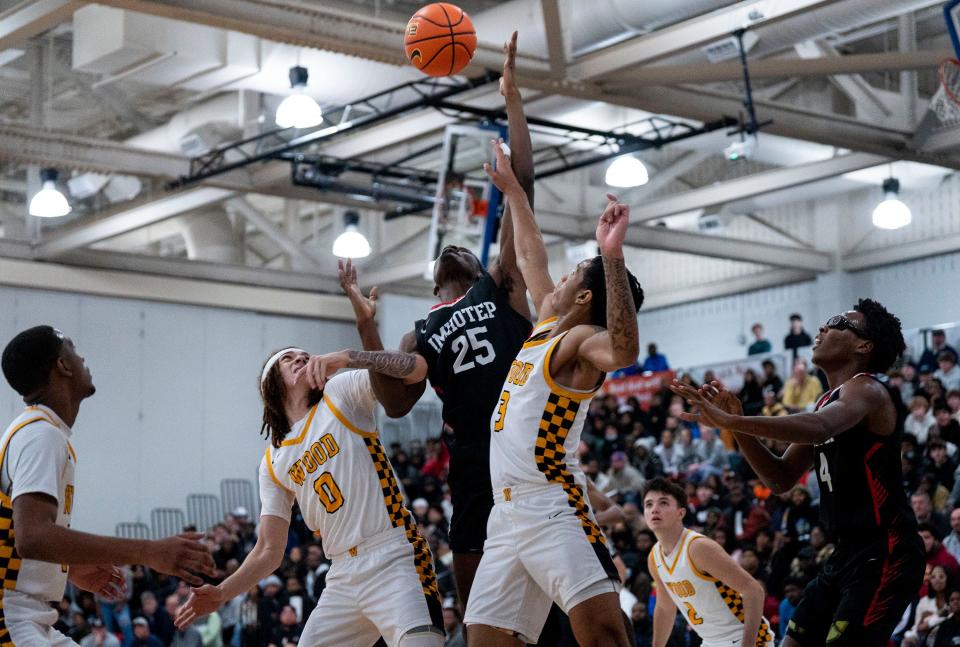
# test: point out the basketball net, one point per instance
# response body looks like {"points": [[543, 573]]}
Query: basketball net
{"points": [[946, 102]]}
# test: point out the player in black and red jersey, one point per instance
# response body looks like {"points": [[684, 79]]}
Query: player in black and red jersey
{"points": [[852, 441], [469, 341]]}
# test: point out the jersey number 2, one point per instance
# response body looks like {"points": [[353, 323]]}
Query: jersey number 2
{"points": [[825, 471], [692, 615], [329, 492], [482, 349]]}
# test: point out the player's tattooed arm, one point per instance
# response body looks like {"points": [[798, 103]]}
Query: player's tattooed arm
{"points": [[409, 367], [619, 344]]}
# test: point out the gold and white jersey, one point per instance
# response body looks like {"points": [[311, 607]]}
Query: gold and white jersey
{"points": [[712, 609], [333, 464], [535, 428], [36, 457]]}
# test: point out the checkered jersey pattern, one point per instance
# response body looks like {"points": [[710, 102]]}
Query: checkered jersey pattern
{"points": [[549, 454], [400, 518], [9, 559], [735, 603]]}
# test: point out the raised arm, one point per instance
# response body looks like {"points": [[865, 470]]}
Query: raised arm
{"points": [[858, 400], [528, 241], [410, 368], [396, 396], [779, 473], [506, 272], [619, 344]]}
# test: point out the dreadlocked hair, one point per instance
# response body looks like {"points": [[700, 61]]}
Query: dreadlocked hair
{"points": [[273, 392], [595, 280], [883, 329]]}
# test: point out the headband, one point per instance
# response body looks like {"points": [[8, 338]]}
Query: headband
{"points": [[273, 360]]}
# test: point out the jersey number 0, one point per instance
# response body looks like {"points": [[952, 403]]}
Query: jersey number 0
{"points": [[483, 352]]}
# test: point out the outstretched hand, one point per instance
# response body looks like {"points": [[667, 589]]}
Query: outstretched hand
{"points": [[612, 227], [508, 85], [709, 411], [202, 602], [319, 368], [502, 174], [364, 308], [106, 581]]}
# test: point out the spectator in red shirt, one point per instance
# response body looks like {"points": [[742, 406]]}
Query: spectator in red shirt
{"points": [[937, 554]]}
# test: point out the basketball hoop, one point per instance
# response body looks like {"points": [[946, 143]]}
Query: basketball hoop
{"points": [[946, 102]]}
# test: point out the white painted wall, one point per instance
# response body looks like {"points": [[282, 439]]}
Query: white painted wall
{"points": [[176, 408], [922, 293]]}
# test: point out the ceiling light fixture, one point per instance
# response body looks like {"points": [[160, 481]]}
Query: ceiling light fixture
{"points": [[626, 171], [891, 213], [49, 202], [351, 243], [299, 110]]}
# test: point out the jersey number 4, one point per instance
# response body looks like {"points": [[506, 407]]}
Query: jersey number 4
{"points": [[483, 352], [825, 472], [329, 492]]}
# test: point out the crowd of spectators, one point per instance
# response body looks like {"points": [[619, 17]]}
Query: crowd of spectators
{"points": [[776, 538]]}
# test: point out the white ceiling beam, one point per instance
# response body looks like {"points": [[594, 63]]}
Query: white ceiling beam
{"points": [[901, 252], [738, 285], [29, 18], [752, 185], [556, 41], [868, 104], [266, 226], [664, 176], [128, 218], [672, 240], [688, 34], [773, 68]]}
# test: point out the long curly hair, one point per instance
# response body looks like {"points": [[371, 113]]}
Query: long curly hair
{"points": [[273, 392]]}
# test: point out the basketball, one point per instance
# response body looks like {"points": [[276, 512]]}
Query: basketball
{"points": [[440, 39]]}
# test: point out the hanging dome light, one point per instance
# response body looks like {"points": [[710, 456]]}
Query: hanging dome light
{"points": [[49, 202], [351, 243], [299, 110], [891, 213], [626, 171]]}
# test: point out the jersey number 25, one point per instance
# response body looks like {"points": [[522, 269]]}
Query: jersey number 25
{"points": [[483, 352]]}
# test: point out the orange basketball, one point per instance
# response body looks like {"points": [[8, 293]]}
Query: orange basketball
{"points": [[440, 39]]}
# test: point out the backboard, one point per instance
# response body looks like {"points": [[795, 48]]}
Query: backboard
{"points": [[951, 12]]}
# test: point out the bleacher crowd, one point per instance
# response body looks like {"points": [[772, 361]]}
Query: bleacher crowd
{"points": [[776, 538]]}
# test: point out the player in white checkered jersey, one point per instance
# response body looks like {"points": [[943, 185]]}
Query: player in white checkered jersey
{"points": [[39, 553], [326, 455], [720, 601], [543, 543]]}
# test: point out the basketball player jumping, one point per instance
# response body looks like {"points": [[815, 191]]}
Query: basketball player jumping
{"points": [[852, 441], [720, 600], [544, 543], [468, 341], [326, 455], [39, 553]]}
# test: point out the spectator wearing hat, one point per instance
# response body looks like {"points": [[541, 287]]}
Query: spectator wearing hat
{"points": [[622, 476], [938, 344], [797, 337], [99, 636], [760, 344], [947, 371], [141, 634]]}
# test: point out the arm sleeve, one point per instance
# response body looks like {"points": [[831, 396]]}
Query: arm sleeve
{"points": [[352, 394], [274, 500], [36, 458]]}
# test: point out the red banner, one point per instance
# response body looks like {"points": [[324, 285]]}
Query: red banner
{"points": [[642, 387]]}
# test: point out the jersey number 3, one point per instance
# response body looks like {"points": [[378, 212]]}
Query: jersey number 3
{"points": [[483, 352], [502, 411], [329, 492]]}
